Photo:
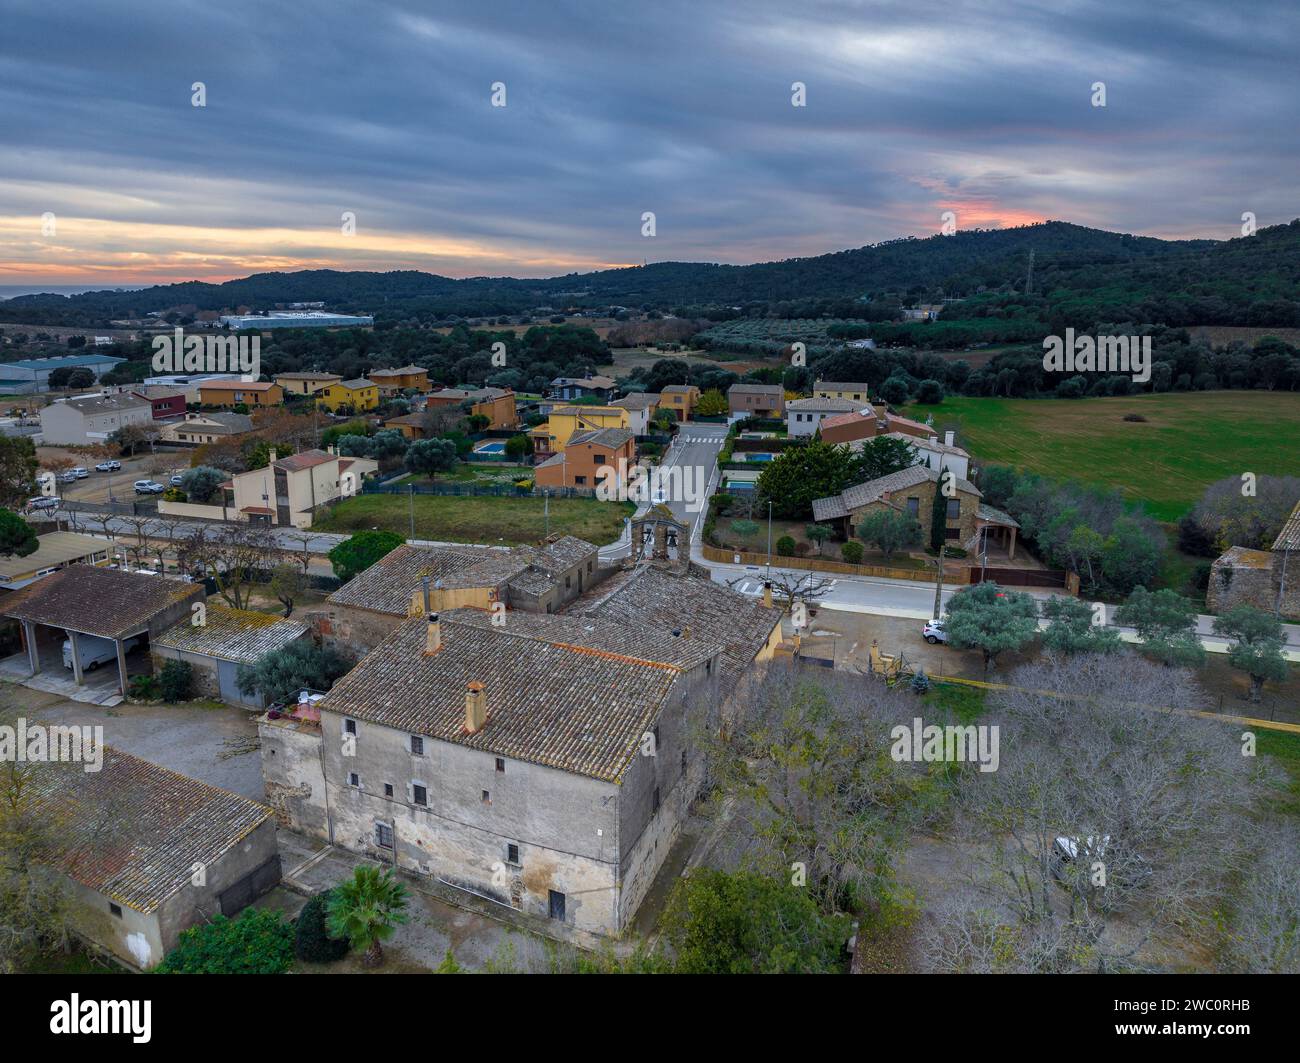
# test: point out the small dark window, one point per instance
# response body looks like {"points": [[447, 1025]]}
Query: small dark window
{"points": [[913, 506], [383, 835], [579, 479], [116, 909], [954, 507], [588, 566], [512, 854], [354, 779], [417, 745], [567, 581], [350, 727], [388, 789], [501, 765], [419, 794], [599, 459], [487, 798], [683, 762]]}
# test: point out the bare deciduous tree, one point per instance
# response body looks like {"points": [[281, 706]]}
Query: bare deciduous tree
{"points": [[234, 556], [1110, 822], [807, 779]]}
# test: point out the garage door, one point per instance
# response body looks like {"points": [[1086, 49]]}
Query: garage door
{"points": [[226, 672], [250, 887]]}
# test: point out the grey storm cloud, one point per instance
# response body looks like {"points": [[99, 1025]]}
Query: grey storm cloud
{"points": [[678, 108]]}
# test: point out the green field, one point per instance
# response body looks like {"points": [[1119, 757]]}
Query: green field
{"points": [[479, 518], [1188, 440]]}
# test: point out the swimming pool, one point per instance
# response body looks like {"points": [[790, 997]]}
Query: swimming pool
{"points": [[758, 457], [493, 447]]}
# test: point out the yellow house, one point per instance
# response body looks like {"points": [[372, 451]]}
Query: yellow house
{"points": [[358, 395], [837, 389], [566, 421], [306, 383]]}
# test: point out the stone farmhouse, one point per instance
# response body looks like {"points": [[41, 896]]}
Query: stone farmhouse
{"points": [[1267, 579]]}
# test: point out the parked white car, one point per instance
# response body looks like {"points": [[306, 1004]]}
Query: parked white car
{"points": [[175, 481], [43, 502], [80, 473], [934, 632], [95, 651], [148, 487], [69, 477], [108, 466]]}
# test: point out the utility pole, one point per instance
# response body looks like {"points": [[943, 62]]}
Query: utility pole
{"points": [[546, 508], [769, 538], [411, 497], [938, 582]]}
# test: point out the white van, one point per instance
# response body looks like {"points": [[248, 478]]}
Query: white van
{"points": [[95, 651]]}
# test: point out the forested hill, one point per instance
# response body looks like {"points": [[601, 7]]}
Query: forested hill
{"points": [[1224, 279]]}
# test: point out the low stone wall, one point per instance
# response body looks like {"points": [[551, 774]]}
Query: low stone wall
{"points": [[951, 574]]}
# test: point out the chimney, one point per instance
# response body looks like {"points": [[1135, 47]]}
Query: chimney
{"points": [[934, 440], [767, 594], [949, 436], [271, 455], [432, 636], [475, 707]]}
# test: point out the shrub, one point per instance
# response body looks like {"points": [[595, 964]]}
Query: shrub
{"points": [[852, 553], [920, 683], [312, 941], [785, 546], [1134, 417], [802, 549], [257, 942], [143, 688], [176, 681]]}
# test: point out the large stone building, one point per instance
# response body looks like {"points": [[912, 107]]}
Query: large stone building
{"points": [[1269, 579], [542, 761], [372, 604]]}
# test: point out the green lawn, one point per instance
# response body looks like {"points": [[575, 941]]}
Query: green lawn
{"points": [[479, 519], [1188, 440]]}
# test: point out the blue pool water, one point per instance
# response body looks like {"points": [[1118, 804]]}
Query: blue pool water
{"points": [[491, 448], [759, 457]]}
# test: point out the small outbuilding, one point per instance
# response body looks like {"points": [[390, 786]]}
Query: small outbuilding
{"points": [[90, 606], [217, 647]]}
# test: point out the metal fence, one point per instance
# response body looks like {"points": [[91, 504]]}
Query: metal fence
{"points": [[490, 490]]}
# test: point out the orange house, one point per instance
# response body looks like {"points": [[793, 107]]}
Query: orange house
{"points": [[392, 381], [235, 393], [681, 399], [497, 405], [579, 464]]}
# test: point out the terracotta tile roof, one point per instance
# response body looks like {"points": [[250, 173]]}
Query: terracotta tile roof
{"points": [[849, 418], [308, 459], [239, 635], [650, 598], [133, 831], [1289, 537], [237, 385], [864, 494], [573, 707], [613, 438], [387, 585], [98, 601]]}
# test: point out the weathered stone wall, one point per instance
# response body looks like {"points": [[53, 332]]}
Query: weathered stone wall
{"points": [[566, 826], [294, 778], [924, 491]]}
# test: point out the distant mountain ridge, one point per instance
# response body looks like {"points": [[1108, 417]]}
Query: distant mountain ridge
{"points": [[956, 266]]}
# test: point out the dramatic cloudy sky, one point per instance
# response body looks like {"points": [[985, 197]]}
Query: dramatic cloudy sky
{"points": [[613, 108]]}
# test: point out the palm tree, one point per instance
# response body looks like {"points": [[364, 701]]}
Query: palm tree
{"points": [[366, 910]]}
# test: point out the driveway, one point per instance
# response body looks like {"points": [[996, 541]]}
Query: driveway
{"points": [[214, 743]]}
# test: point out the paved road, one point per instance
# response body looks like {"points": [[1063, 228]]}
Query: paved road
{"points": [[688, 475]]}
